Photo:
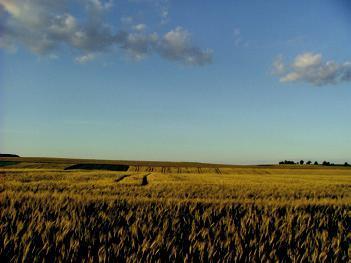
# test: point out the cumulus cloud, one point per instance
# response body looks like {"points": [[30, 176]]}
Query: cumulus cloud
{"points": [[47, 27], [176, 45], [137, 45], [44, 26], [310, 67]]}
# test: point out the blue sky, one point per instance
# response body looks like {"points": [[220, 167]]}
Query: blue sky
{"points": [[229, 82]]}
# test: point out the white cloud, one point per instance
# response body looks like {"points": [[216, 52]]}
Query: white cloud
{"points": [[139, 27], [47, 27], [176, 45], [307, 60], [138, 45], [177, 38], [163, 10], [310, 67], [100, 5], [85, 58], [292, 76], [164, 15], [278, 66]]}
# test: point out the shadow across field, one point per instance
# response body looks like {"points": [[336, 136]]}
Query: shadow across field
{"points": [[108, 167], [121, 177]]}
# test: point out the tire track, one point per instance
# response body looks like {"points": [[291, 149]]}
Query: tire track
{"points": [[144, 180], [122, 177], [150, 169], [218, 171]]}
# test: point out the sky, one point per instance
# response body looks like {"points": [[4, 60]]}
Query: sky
{"points": [[212, 81]]}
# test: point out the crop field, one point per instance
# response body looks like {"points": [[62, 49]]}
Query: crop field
{"points": [[80, 210]]}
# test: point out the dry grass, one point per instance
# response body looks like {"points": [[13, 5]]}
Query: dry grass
{"points": [[175, 214]]}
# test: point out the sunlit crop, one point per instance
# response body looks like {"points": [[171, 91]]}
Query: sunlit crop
{"points": [[234, 214]]}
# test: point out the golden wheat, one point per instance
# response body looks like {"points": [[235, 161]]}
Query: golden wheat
{"points": [[236, 214]]}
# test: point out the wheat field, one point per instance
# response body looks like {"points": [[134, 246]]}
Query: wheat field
{"points": [[174, 212]]}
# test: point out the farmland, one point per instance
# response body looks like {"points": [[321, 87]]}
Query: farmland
{"points": [[68, 210]]}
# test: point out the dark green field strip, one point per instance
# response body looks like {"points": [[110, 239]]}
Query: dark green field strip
{"points": [[91, 166], [8, 155], [7, 163]]}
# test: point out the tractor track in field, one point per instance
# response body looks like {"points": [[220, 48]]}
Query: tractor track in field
{"points": [[144, 180], [122, 177], [177, 170]]}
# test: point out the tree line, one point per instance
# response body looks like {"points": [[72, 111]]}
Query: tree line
{"points": [[302, 162]]}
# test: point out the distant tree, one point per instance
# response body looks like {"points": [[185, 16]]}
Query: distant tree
{"points": [[309, 162], [346, 164], [302, 162], [315, 163], [325, 163], [287, 162]]}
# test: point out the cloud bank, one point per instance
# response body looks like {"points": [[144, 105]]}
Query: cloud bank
{"points": [[310, 68], [46, 27]]}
